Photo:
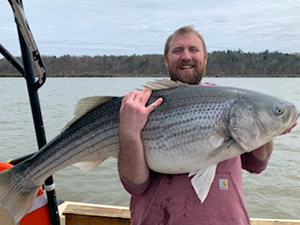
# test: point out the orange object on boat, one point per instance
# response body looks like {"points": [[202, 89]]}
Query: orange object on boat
{"points": [[39, 214]]}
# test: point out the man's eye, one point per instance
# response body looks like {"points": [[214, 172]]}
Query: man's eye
{"points": [[176, 51], [194, 50]]}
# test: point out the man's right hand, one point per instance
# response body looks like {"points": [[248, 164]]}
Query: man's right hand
{"points": [[134, 113], [133, 117]]}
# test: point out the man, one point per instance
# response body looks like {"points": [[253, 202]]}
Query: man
{"points": [[170, 199]]}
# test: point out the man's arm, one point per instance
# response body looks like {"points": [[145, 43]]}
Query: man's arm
{"points": [[263, 152], [257, 160], [132, 164]]}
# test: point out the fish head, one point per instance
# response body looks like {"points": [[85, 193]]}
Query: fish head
{"points": [[256, 119]]}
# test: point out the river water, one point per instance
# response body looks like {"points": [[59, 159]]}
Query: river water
{"points": [[275, 193]]}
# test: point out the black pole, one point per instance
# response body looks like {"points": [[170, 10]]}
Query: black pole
{"points": [[38, 121], [28, 73], [12, 59], [33, 95], [38, 124]]}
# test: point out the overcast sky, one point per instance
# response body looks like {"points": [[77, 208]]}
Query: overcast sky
{"points": [[126, 27]]}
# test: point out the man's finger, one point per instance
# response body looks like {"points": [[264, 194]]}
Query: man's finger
{"points": [[154, 105], [125, 97], [146, 93], [132, 96]]}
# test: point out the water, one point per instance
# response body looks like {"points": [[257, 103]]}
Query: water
{"points": [[273, 194]]}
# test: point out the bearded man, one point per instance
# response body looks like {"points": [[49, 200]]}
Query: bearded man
{"points": [[170, 199]]}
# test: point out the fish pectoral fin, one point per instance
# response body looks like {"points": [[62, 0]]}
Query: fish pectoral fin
{"points": [[221, 148], [88, 165], [202, 181]]}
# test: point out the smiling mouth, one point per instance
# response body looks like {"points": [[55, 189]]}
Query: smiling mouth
{"points": [[186, 67]]}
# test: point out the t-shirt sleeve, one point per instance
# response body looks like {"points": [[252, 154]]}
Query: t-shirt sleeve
{"points": [[252, 164], [132, 188]]}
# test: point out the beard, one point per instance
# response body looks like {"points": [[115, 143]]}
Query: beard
{"points": [[193, 76]]}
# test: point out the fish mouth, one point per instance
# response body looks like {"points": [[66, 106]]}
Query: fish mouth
{"points": [[293, 122]]}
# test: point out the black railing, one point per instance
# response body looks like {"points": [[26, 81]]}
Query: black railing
{"points": [[32, 63]]}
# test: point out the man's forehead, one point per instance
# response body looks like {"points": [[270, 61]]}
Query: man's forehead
{"points": [[186, 39]]}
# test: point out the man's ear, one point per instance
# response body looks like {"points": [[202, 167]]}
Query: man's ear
{"points": [[166, 61]]}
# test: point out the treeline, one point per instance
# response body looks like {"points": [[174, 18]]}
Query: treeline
{"points": [[220, 64]]}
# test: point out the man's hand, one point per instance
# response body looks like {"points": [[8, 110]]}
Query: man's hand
{"points": [[134, 113], [263, 152]]}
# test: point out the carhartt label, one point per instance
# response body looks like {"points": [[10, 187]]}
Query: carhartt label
{"points": [[223, 184]]}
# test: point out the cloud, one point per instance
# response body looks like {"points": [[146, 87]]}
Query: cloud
{"points": [[119, 27]]}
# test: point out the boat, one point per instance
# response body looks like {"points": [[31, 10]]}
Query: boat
{"points": [[74, 213]]}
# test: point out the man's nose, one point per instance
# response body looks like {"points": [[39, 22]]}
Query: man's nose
{"points": [[186, 55]]}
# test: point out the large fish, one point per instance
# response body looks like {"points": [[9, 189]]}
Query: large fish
{"points": [[194, 129]]}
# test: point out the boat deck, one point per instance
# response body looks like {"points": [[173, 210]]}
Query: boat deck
{"points": [[74, 213]]}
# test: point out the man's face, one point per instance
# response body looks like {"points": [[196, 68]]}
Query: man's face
{"points": [[186, 60]]}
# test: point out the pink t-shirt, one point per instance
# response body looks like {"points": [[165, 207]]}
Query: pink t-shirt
{"points": [[170, 199]]}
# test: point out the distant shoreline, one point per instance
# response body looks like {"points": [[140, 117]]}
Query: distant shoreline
{"points": [[220, 64]]}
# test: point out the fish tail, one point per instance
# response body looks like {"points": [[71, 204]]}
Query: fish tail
{"points": [[12, 199]]}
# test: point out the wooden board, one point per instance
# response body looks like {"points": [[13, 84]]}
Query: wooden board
{"points": [[78, 214], [92, 215], [274, 222]]}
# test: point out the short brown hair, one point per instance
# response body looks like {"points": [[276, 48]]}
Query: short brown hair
{"points": [[180, 31]]}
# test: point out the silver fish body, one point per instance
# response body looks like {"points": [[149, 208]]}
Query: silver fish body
{"points": [[195, 127]]}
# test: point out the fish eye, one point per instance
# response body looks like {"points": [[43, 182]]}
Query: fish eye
{"points": [[278, 110]]}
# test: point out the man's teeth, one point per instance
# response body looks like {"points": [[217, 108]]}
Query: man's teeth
{"points": [[186, 67]]}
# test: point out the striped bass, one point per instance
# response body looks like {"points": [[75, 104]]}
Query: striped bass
{"points": [[194, 129]]}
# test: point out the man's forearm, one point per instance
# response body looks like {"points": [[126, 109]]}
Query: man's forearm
{"points": [[133, 117], [264, 151], [131, 162]]}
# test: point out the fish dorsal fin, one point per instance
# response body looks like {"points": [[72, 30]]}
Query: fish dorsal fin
{"points": [[163, 84], [85, 105]]}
